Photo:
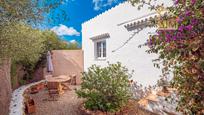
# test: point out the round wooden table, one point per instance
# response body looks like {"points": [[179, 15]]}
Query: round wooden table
{"points": [[61, 78], [57, 83]]}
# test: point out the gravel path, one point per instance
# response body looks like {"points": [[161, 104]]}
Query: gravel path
{"points": [[67, 103]]}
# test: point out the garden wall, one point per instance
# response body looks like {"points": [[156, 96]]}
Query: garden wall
{"points": [[5, 87], [68, 62]]}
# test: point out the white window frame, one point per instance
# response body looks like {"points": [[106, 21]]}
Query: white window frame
{"points": [[102, 57]]}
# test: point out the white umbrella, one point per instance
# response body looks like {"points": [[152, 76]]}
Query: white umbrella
{"points": [[49, 62]]}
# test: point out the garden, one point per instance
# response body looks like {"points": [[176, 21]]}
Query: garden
{"points": [[110, 90]]}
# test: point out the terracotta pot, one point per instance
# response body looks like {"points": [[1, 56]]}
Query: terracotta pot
{"points": [[41, 86], [33, 90], [30, 106]]}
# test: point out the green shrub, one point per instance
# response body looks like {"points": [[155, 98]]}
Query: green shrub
{"points": [[105, 89]]}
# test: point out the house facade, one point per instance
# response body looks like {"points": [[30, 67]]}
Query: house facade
{"points": [[114, 36]]}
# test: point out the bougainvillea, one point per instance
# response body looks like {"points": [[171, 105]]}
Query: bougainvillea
{"points": [[181, 51]]}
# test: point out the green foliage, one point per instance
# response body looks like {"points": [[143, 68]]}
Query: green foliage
{"points": [[13, 15], [22, 82], [21, 43], [53, 42], [73, 46], [27, 46], [24, 45], [105, 89], [28, 11]]}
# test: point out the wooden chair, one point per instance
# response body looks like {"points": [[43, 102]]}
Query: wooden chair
{"points": [[54, 89], [65, 86], [73, 79]]}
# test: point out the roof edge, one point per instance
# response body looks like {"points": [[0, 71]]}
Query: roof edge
{"points": [[104, 12]]}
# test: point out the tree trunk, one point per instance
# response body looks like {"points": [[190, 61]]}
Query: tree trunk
{"points": [[5, 86]]}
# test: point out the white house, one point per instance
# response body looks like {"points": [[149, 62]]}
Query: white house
{"points": [[114, 36]]}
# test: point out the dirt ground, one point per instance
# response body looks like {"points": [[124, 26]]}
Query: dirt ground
{"points": [[66, 104]]}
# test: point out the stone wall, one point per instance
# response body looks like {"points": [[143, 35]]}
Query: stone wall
{"points": [[5, 87]]}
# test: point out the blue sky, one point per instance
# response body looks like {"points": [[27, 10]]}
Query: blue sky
{"points": [[77, 11]]}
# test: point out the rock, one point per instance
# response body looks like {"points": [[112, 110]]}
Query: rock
{"points": [[161, 103]]}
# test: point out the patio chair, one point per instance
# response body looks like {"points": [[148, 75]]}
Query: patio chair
{"points": [[65, 86], [73, 79], [54, 89]]}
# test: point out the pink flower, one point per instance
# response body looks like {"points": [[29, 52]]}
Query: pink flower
{"points": [[189, 27], [176, 2], [188, 13], [181, 28], [177, 19], [193, 1]]}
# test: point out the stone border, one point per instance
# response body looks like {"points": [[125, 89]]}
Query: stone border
{"points": [[17, 100]]}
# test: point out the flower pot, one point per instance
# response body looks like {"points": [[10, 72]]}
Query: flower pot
{"points": [[33, 90], [30, 106]]}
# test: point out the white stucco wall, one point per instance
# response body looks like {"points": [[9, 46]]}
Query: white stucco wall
{"points": [[130, 55]]}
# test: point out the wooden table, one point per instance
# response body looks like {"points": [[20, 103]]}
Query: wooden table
{"points": [[58, 80], [61, 79]]}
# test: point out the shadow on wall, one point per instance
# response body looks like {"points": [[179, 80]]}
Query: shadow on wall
{"points": [[68, 62]]}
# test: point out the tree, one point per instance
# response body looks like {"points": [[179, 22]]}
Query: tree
{"points": [[28, 11], [14, 12], [53, 42], [26, 42], [73, 45], [30, 47], [181, 51], [18, 40]]}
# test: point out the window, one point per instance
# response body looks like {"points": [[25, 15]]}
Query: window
{"points": [[101, 49]]}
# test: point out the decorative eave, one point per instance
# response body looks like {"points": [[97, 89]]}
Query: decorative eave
{"points": [[101, 36], [140, 22]]}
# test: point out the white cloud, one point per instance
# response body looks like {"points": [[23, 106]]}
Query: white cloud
{"points": [[64, 30], [67, 1], [98, 4], [73, 41]]}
